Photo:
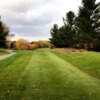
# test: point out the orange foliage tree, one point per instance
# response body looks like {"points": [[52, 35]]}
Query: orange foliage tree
{"points": [[33, 46], [21, 44]]}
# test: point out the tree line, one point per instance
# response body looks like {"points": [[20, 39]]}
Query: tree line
{"points": [[20, 44], [81, 30]]}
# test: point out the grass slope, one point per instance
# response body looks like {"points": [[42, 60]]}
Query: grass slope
{"points": [[41, 75], [87, 61], [3, 52]]}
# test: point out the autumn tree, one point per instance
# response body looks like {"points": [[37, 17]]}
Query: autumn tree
{"points": [[10, 36], [32, 46], [8, 40], [21, 44], [43, 44]]}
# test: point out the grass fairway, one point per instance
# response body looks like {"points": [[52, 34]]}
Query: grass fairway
{"points": [[43, 75], [86, 61]]}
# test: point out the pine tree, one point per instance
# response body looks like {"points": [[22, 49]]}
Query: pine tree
{"points": [[96, 26], [4, 30], [55, 38], [69, 24], [85, 23]]}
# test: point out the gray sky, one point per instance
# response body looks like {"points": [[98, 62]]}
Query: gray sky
{"points": [[33, 19]]}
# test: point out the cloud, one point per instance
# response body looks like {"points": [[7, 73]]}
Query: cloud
{"points": [[33, 19]]}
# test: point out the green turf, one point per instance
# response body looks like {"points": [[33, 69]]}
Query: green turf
{"points": [[87, 61], [3, 52], [42, 75]]}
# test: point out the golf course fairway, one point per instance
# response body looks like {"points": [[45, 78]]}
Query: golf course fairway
{"points": [[42, 75]]}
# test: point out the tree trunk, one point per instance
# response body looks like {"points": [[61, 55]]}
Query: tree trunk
{"points": [[87, 46]]}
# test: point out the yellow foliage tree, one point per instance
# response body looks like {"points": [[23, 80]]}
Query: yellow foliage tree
{"points": [[33, 46], [21, 44], [43, 44]]}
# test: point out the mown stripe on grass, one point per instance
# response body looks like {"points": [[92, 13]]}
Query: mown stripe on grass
{"points": [[48, 77], [10, 73], [80, 83], [44, 76]]}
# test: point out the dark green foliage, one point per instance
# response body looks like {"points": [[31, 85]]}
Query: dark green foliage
{"points": [[87, 22], [55, 36], [96, 26], [82, 30], [4, 30], [69, 20], [69, 24], [63, 36]]}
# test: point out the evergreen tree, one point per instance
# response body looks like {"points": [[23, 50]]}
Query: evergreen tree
{"points": [[82, 31], [69, 24], [96, 26], [85, 23], [58, 37], [4, 30], [64, 40], [55, 38]]}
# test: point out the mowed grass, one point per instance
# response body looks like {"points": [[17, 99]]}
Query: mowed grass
{"points": [[87, 61], [3, 52], [43, 75]]}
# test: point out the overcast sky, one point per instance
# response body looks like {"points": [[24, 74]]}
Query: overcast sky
{"points": [[33, 19]]}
